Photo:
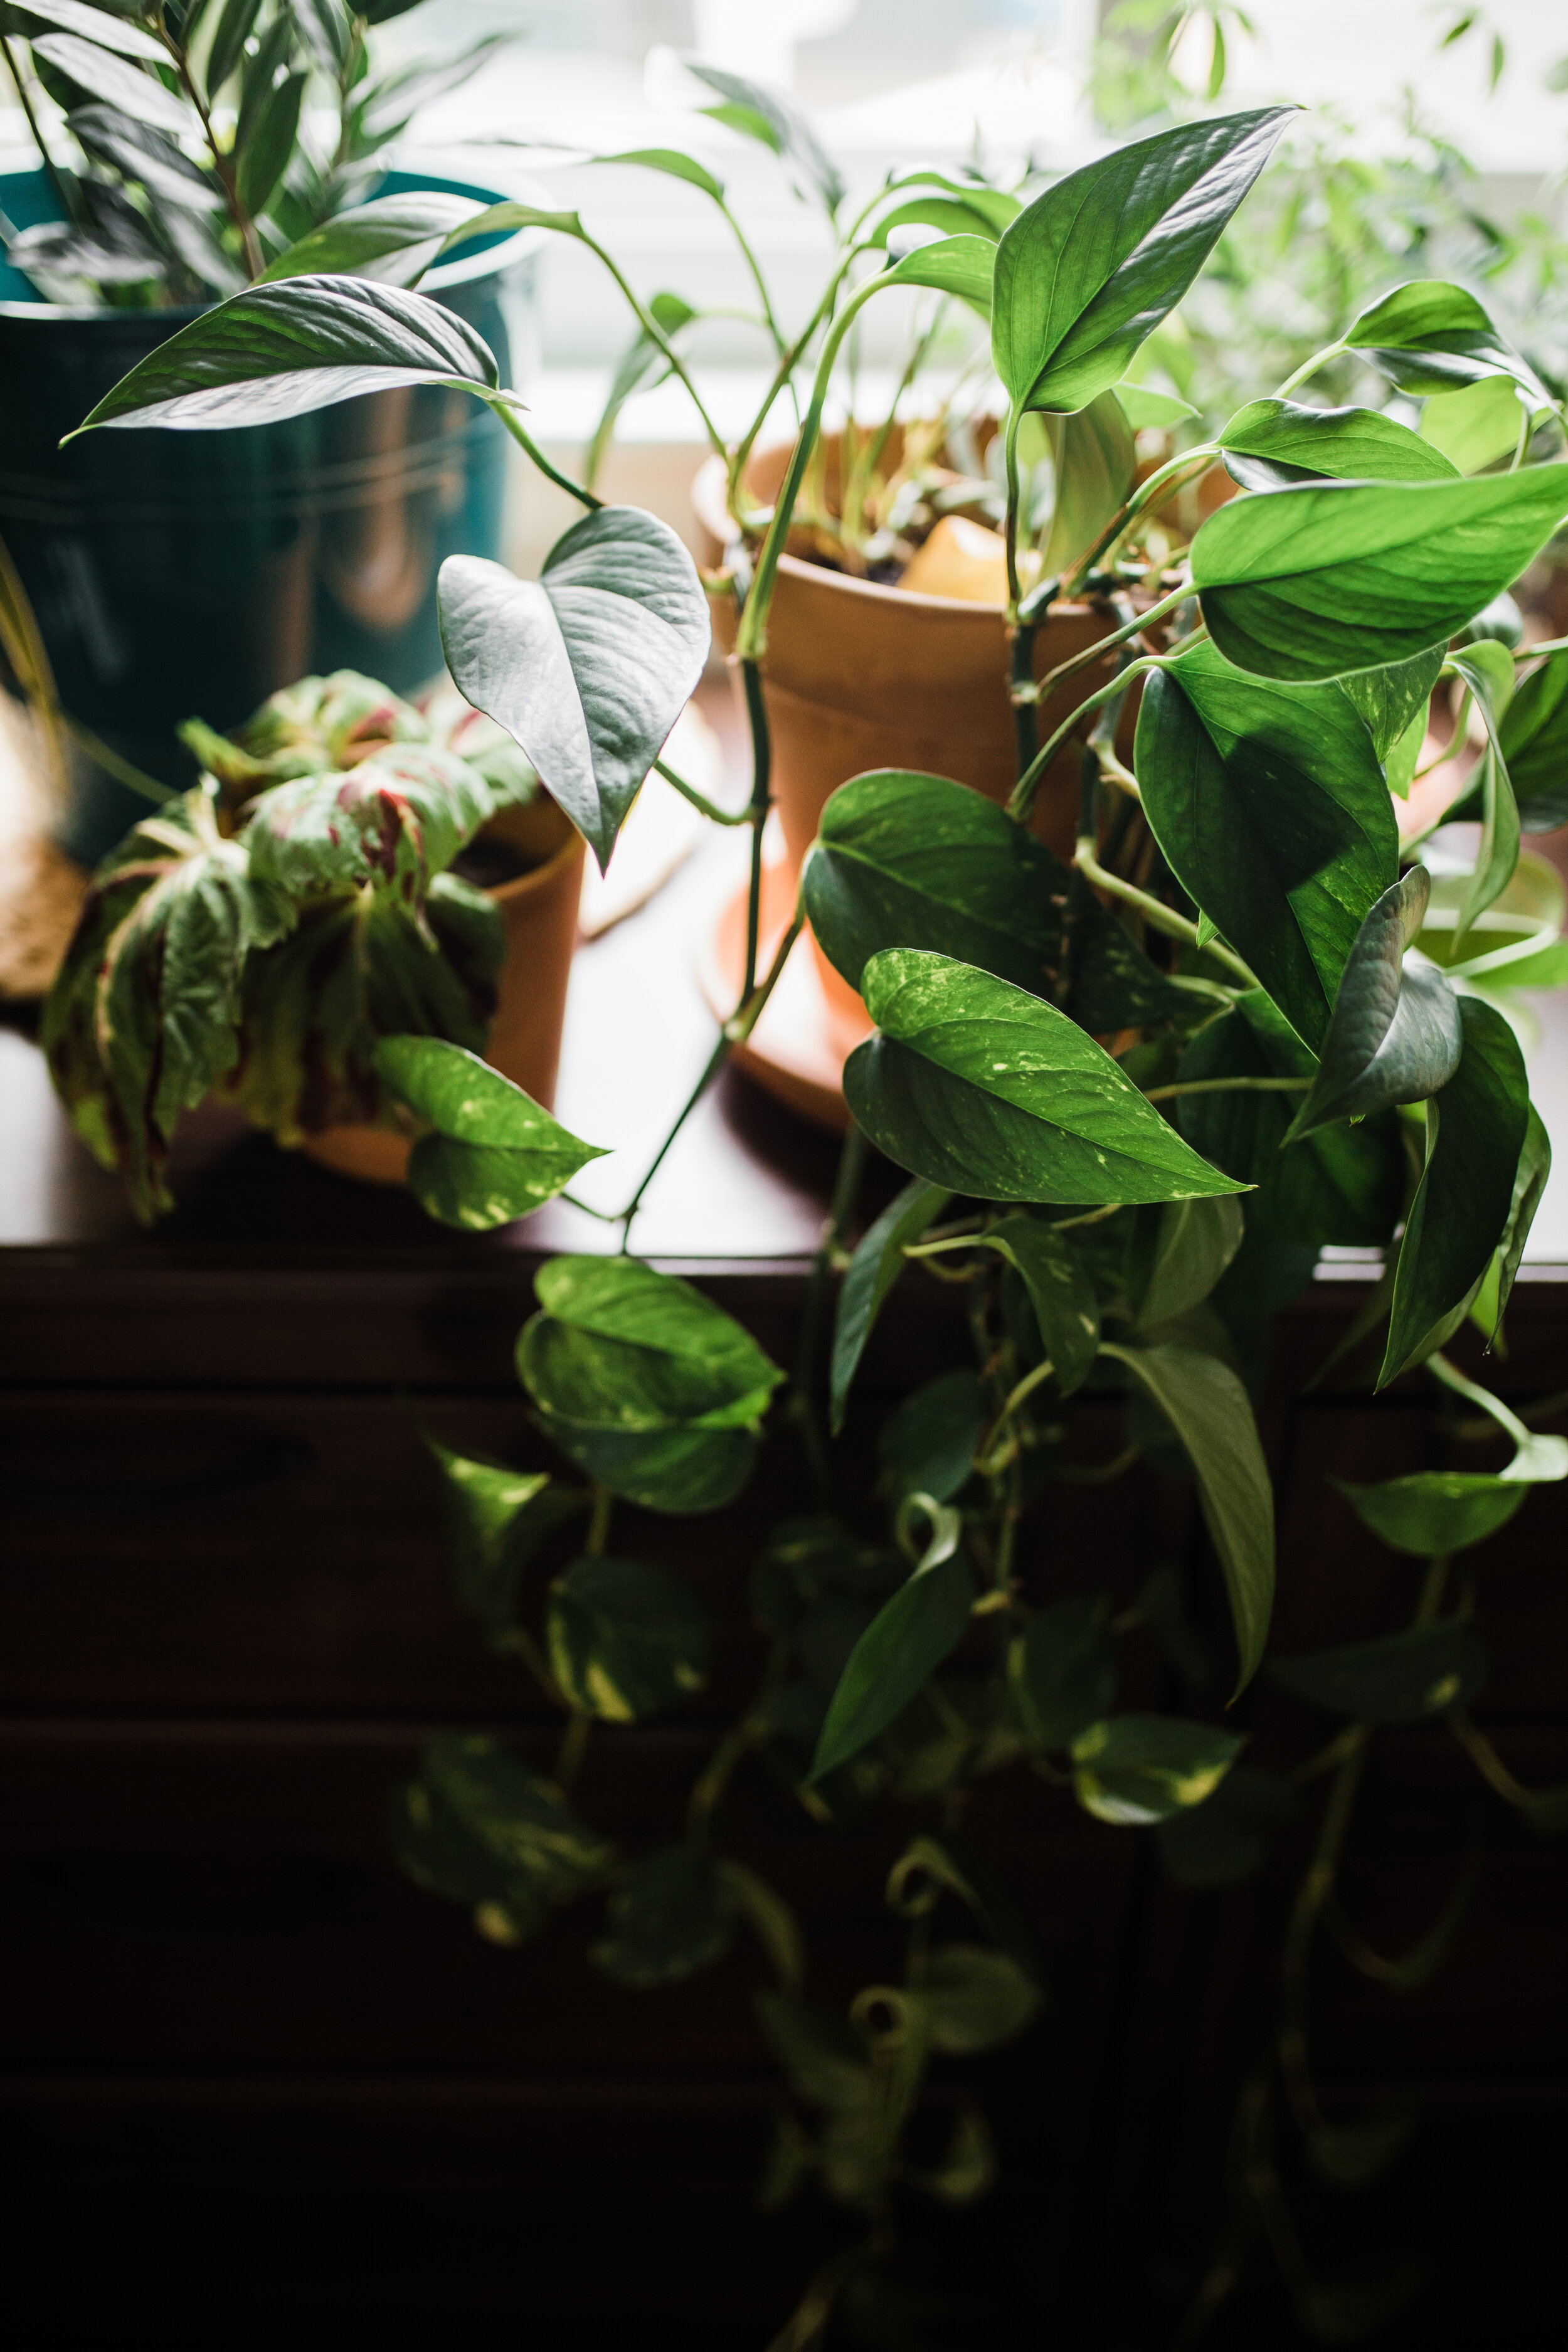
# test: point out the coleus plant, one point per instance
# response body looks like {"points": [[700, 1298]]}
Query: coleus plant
{"points": [[198, 139], [1133, 1098]]}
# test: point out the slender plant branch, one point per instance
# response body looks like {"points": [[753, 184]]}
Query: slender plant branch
{"points": [[222, 164], [56, 178], [1159, 916], [709, 809], [1227, 1086], [504, 408]]}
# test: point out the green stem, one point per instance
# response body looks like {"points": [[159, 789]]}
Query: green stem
{"points": [[1163, 479], [1159, 918], [1021, 806], [655, 334], [1310, 367], [62, 194], [758, 281], [223, 164], [574, 1745], [1010, 454], [525, 442], [1532, 653], [700, 800], [803, 1409], [1227, 1086], [120, 769], [598, 1533], [757, 809]]}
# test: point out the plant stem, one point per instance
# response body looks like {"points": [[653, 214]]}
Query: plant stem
{"points": [[1117, 528], [655, 334], [1227, 1086], [700, 800], [1010, 455], [1028, 782], [52, 172], [758, 281], [1310, 367], [223, 164], [1159, 918], [573, 1744], [757, 812], [598, 1533], [803, 1411], [503, 408]]}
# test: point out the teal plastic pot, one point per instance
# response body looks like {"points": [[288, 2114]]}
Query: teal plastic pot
{"points": [[175, 575]]}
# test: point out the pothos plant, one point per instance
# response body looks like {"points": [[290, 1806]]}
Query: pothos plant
{"points": [[190, 141], [1133, 1097]]}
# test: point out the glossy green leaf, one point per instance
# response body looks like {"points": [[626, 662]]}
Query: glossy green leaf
{"points": [[674, 165], [1394, 702], [1533, 733], [679, 1469], [1272, 443], [268, 152], [1132, 1769], [587, 667], [1061, 1671], [1147, 410], [1267, 801], [962, 265], [627, 1639], [279, 350], [674, 1915], [117, 80], [1336, 576], [927, 1443], [617, 1341], [462, 1096], [1089, 269], [906, 860], [1061, 1292], [1435, 1511], [496, 1153], [1194, 1240], [1208, 1407], [878, 1262], [900, 1650], [1404, 1678], [948, 215], [974, 1085], [394, 239], [778, 120], [970, 2000], [496, 1521], [1475, 1134], [1395, 1035], [477, 1825], [1224, 1839], [1478, 426], [227, 48], [1429, 337]]}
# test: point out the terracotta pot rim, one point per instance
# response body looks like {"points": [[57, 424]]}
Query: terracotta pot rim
{"points": [[712, 512]]}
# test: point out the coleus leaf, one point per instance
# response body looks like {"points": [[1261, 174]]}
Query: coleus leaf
{"points": [[1428, 336], [1270, 807], [1395, 1035], [280, 351], [1088, 270], [1270, 444], [587, 667], [1334, 576], [1475, 1133], [974, 1085], [394, 820], [495, 1154], [1210, 1411]]}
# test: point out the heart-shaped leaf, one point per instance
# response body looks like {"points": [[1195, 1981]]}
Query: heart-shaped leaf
{"points": [[1395, 1035], [1476, 1130], [900, 1649], [927, 1445], [1405, 1677], [675, 1914], [1089, 269], [974, 1085], [477, 1825], [1061, 1292], [1428, 336], [495, 1155], [1434, 1512], [589, 667], [1336, 576], [1223, 1841], [1272, 443], [496, 1521], [1270, 807], [627, 1639], [619, 1343], [1132, 1769], [1344, 1187], [1209, 1409], [1534, 734], [878, 1262], [1061, 1671], [906, 860], [280, 351]]}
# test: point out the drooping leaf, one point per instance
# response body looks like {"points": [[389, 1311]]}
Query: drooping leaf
{"points": [[1094, 461], [477, 1825], [495, 1155], [1475, 1131], [116, 80], [675, 166], [1336, 576], [1395, 1035], [905, 860], [1089, 269], [496, 1521], [1404, 1678], [392, 821], [1487, 668], [1061, 1671], [1428, 336], [1061, 1292], [1393, 701], [900, 1649], [1208, 1407], [1194, 1244], [878, 1262], [1223, 1841], [1534, 734], [589, 667], [1268, 802], [926, 1445], [1478, 424], [643, 363], [1132, 1769], [1270, 444], [394, 239], [142, 154], [970, 2000], [627, 1639], [1435, 1511], [974, 1085], [675, 1914], [280, 351], [948, 215], [763, 111]]}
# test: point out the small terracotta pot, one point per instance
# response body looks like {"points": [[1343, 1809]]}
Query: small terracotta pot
{"points": [[540, 909], [858, 675]]}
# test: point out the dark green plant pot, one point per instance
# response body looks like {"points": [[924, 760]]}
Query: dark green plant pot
{"points": [[181, 574]]}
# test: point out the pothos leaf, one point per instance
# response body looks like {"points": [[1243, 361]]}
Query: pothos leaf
{"points": [[1533, 735], [878, 1262], [1407, 1678], [1194, 1240], [900, 1649], [773, 117], [1272, 443], [1487, 668], [1061, 1292], [1435, 1511], [675, 1914], [589, 667], [1132, 1769], [627, 1639], [479, 1825], [1428, 336], [496, 1153], [496, 1519], [1395, 1035]]}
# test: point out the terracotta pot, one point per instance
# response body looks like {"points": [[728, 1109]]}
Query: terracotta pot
{"points": [[858, 675], [539, 911]]}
